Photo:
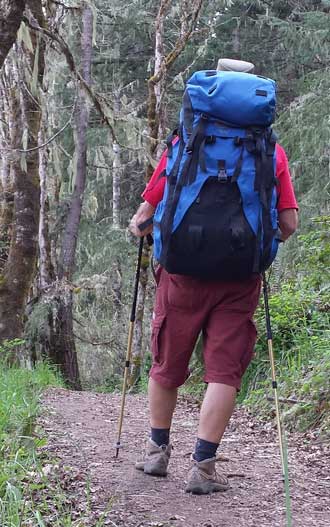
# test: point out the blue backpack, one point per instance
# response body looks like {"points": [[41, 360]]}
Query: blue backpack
{"points": [[218, 218]]}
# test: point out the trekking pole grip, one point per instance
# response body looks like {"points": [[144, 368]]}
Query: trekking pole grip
{"points": [[146, 223]]}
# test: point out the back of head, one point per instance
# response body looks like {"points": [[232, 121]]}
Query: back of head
{"points": [[235, 65]]}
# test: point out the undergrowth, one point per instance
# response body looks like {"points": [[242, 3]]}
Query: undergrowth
{"points": [[30, 495], [300, 319]]}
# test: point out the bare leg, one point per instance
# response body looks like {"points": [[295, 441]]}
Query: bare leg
{"points": [[217, 408], [162, 403]]}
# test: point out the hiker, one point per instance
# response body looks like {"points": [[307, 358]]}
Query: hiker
{"points": [[186, 305]]}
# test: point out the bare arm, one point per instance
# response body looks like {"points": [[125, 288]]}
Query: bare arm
{"points": [[288, 222]]}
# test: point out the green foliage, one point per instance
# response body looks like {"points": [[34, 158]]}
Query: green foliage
{"points": [[303, 377], [31, 492], [304, 131], [102, 308], [7, 347], [301, 330], [19, 394], [313, 256]]}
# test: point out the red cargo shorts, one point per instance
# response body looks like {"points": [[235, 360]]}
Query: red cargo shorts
{"points": [[222, 311]]}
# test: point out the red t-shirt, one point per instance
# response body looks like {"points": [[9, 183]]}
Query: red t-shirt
{"points": [[154, 190]]}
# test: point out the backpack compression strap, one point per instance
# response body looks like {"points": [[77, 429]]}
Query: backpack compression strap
{"points": [[262, 144]]}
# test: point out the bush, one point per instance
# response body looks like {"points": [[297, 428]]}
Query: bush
{"points": [[300, 325], [19, 396]]}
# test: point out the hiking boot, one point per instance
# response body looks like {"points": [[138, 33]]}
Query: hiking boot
{"points": [[156, 459], [204, 479]]}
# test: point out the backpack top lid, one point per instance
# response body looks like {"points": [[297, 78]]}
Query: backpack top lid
{"points": [[241, 99]]}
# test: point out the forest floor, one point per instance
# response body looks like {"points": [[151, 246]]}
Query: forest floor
{"points": [[81, 429]]}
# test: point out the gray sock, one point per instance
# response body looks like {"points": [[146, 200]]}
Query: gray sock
{"points": [[204, 450], [161, 436]]}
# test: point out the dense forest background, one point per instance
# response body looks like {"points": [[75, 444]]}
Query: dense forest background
{"points": [[89, 92]]}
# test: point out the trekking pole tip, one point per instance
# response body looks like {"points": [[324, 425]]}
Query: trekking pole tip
{"points": [[118, 446]]}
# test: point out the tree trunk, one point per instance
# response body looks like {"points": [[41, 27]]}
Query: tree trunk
{"points": [[13, 289], [6, 211], [116, 173], [116, 287], [11, 12], [43, 345], [156, 85], [156, 130], [46, 270], [6, 186], [236, 39], [156, 124], [159, 128], [65, 344], [70, 237], [20, 267], [116, 169]]}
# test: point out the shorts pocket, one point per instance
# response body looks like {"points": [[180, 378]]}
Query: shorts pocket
{"points": [[157, 326], [251, 338]]}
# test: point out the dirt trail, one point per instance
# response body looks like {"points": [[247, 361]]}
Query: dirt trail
{"points": [[81, 430]]}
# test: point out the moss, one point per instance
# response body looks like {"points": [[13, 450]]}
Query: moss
{"points": [[35, 180]]}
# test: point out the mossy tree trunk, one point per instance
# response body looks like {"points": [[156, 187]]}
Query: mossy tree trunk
{"points": [[116, 169], [6, 183], [11, 12], [24, 123], [65, 351], [46, 269]]}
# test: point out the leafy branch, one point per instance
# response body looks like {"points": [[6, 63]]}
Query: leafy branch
{"points": [[163, 64], [181, 41], [64, 48]]}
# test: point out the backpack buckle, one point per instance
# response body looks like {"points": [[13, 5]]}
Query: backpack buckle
{"points": [[222, 173], [222, 176]]}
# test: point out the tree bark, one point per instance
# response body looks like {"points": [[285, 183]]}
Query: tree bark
{"points": [[11, 12], [156, 85], [6, 186], [46, 269], [69, 244], [65, 344], [236, 39], [159, 124], [116, 169], [13, 290], [116, 174], [20, 267]]}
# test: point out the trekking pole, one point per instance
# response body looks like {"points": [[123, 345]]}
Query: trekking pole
{"points": [[129, 344], [142, 226], [283, 449]]}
